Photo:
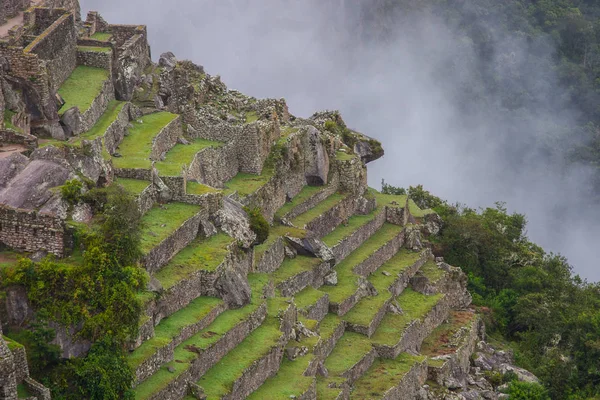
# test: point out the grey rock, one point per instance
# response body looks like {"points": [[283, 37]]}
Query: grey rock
{"points": [[154, 285], [72, 120], [331, 279], [82, 213], [182, 140], [38, 256], [386, 273], [322, 370], [233, 220], [207, 229], [232, 286], [167, 60], [413, 238], [366, 288], [311, 247], [316, 168], [290, 252]]}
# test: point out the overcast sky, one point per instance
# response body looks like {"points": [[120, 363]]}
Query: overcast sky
{"points": [[397, 91]]}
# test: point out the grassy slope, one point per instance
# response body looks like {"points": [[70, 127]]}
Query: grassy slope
{"points": [[306, 193], [109, 116], [82, 87], [182, 154], [324, 206], [246, 184], [133, 186], [159, 223]]}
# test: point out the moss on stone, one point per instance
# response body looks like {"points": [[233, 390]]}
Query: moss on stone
{"points": [[103, 36]]}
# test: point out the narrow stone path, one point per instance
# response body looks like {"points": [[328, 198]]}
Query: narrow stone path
{"points": [[17, 20]]}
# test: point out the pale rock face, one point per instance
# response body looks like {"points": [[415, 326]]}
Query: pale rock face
{"points": [[233, 287], [233, 220], [167, 60], [72, 121], [317, 160], [331, 279], [82, 213], [311, 247]]}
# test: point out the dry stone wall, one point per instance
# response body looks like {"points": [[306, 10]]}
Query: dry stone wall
{"points": [[352, 242], [166, 139], [97, 108], [214, 166], [117, 130], [98, 59], [31, 231]]}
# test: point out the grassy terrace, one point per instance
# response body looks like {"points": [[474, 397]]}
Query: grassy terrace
{"points": [[346, 278], [384, 375], [416, 211], [324, 206], [442, 340], [137, 146], [293, 266], [109, 116], [306, 193], [414, 305], [133, 186], [276, 232], [388, 199], [94, 49], [182, 154], [171, 327], [205, 255], [324, 392], [288, 383], [394, 266], [82, 87], [104, 36], [354, 223], [218, 381], [343, 156], [432, 271], [328, 326], [245, 184], [160, 222], [307, 297], [349, 350], [187, 351], [199, 188]]}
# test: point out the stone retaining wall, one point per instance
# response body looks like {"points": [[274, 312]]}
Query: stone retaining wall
{"points": [[210, 202], [31, 231], [317, 311], [97, 59], [160, 255], [417, 331], [356, 239], [380, 256], [98, 107], [272, 257], [311, 202], [166, 139], [37, 389], [324, 348], [21, 367], [134, 173], [328, 221], [404, 278], [214, 166], [410, 383], [359, 369], [117, 130], [369, 329], [12, 137]]}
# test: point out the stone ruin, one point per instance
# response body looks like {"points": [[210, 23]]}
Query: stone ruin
{"points": [[344, 299]]}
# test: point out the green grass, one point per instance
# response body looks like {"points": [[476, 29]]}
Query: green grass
{"points": [[324, 206], [172, 326], [414, 305], [94, 49], [82, 87], [12, 345], [288, 382], [432, 272], [183, 154], [349, 350], [390, 200], [104, 36], [8, 115], [365, 310], [293, 266], [159, 223], [343, 156], [347, 279], [307, 297], [9, 258], [276, 232], [344, 230], [306, 193], [137, 146], [443, 339], [245, 184], [133, 186], [199, 188], [383, 375], [416, 211], [218, 381], [109, 116], [22, 392], [324, 392], [328, 326], [394, 266], [205, 255]]}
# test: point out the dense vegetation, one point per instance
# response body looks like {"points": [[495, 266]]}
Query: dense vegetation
{"points": [[549, 316], [530, 69], [97, 293]]}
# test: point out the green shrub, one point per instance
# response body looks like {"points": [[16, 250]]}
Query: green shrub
{"points": [[527, 391], [71, 191], [258, 224]]}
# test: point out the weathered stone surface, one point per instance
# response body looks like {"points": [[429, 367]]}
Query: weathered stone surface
{"points": [[234, 221], [167, 60], [317, 161], [311, 247], [232, 286]]}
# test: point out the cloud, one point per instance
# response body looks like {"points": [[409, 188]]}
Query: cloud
{"points": [[405, 88]]}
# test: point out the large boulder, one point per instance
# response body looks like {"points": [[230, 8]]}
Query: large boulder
{"points": [[72, 122], [233, 220], [232, 286], [316, 168]]}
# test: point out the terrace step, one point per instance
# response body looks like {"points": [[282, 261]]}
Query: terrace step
{"points": [[312, 303], [305, 200], [90, 89], [151, 136], [351, 235], [182, 155], [326, 215], [167, 230], [182, 325], [269, 255], [365, 316], [248, 366], [289, 382], [421, 314], [196, 355], [400, 378], [351, 357], [297, 273], [111, 126], [450, 345], [374, 252]]}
